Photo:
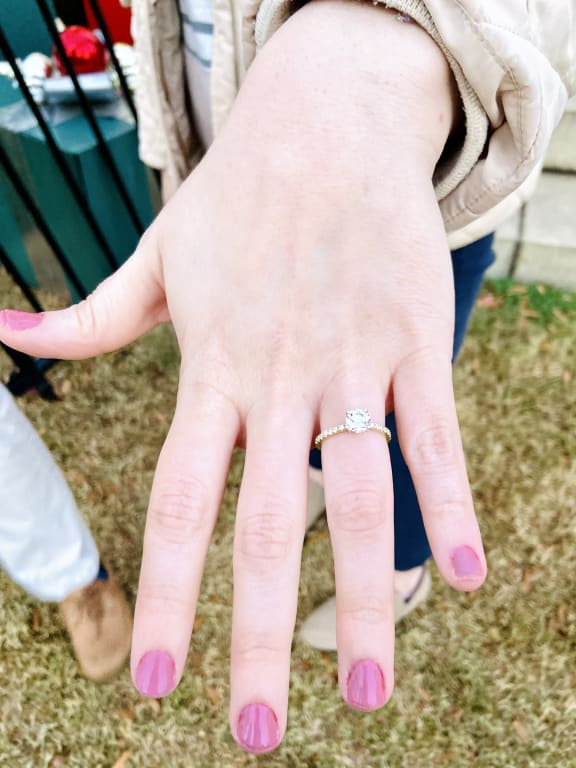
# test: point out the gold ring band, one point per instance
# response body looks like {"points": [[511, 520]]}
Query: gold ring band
{"points": [[358, 420]]}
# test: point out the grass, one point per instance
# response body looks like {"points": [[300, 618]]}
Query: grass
{"points": [[485, 680]]}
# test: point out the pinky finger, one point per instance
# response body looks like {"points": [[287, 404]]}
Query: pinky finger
{"points": [[430, 440]]}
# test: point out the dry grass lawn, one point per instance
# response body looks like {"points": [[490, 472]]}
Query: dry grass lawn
{"points": [[485, 680]]}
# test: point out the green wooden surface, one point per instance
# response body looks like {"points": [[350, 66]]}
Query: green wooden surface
{"points": [[24, 27], [39, 171]]}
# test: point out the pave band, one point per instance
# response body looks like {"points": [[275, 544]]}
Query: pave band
{"points": [[358, 420]]}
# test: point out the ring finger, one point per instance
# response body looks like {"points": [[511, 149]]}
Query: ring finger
{"points": [[359, 505]]}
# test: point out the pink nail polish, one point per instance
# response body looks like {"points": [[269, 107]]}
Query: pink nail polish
{"points": [[365, 686], [155, 674], [466, 562], [20, 321], [258, 728]]}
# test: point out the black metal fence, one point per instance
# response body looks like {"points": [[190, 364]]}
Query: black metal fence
{"points": [[26, 171]]}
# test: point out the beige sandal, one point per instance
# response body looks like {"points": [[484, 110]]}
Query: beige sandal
{"points": [[319, 629]]}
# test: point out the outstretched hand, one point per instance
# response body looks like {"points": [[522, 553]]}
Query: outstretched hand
{"points": [[305, 268]]}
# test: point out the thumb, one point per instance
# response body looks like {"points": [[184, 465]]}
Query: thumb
{"points": [[122, 308]]}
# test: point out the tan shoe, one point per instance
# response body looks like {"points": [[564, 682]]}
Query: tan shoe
{"points": [[99, 622], [319, 629]]}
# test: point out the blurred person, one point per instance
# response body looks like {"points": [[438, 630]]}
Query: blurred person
{"points": [[46, 548], [305, 264]]}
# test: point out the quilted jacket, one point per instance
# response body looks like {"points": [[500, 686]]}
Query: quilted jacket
{"points": [[514, 62]]}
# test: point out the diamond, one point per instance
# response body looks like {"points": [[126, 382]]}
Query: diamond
{"points": [[358, 420]]}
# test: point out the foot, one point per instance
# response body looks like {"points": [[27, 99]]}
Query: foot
{"points": [[99, 622], [407, 582], [319, 629]]}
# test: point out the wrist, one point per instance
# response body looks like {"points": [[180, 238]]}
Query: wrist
{"points": [[346, 77]]}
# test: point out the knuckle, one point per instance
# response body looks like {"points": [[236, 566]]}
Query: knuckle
{"points": [[360, 511], [86, 318], [450, 511], [258, 648], [434, 446], [162, 598], [370, 610], [180, 509], [265, 538]]}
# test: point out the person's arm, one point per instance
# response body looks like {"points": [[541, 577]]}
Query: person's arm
{"points": [[305, 267], [514, 65]]}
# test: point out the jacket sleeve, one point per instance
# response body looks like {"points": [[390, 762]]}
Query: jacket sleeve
{"points": [[514, 63], [167, 137]]}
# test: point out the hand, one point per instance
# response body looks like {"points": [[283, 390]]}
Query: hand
{"points": [[305, 268]]}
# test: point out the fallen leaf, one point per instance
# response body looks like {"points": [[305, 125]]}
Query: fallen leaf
{"points": [[489, 301], [521, 730], [198, 622], [36, 619], [558, 623], [424, 694], [213, 694], [559, 315], [154, 706], [195, 660], [493, 634], [530, 575], [317, 536], [532, 314], [217, 599], [329, 664], [123, 759], [160, 417], [125, 713]]}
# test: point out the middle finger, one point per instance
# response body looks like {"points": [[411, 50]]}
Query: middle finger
{"points": [[268, 540]]}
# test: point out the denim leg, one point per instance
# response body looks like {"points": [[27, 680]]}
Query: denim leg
{"points": [[411, 546]]}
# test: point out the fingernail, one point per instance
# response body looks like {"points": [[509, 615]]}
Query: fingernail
{"points": [[365, 686], [20, 321], [258, 728], [466, 562], [155, 674]]}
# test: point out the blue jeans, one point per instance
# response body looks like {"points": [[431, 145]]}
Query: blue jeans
{"points": [[411, 545]]}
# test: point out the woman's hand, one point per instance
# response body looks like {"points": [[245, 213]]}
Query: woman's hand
{"points": [[305, 268]]}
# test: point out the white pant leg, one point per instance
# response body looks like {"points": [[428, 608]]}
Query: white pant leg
{"points": [[45, 546]]}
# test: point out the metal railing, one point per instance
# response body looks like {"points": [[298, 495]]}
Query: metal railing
{"points": [[30, 372]]}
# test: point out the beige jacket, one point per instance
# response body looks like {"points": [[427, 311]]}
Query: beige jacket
{"points": [[514, 62]]}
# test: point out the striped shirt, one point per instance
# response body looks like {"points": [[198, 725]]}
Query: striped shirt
{"points": [[198, 30]]}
